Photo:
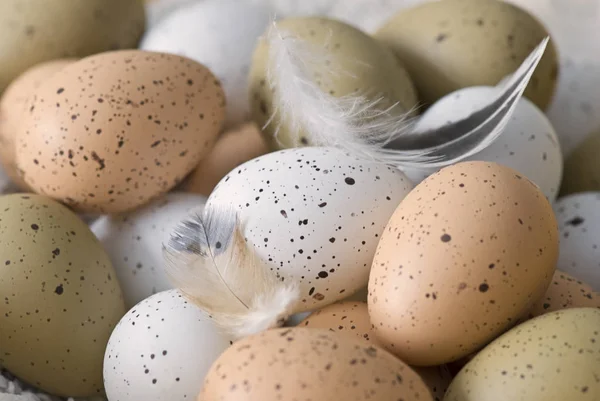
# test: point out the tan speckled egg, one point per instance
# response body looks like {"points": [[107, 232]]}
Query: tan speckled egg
{"points": [[60, 297], [351, 319], [309, 364], [13, 106], [554, 357], [361, 64], [113, 131], [565, 292], [453, 44], [465, 254], [233, 148]]}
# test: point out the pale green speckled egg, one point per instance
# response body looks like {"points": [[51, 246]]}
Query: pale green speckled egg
{"points": [[60, 298]]}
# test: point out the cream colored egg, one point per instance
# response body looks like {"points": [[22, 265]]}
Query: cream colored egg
{"points": [[365, 67], [351, 319], [60, 297], [452, 44], [464, 255], [12, 107], [233, 148], [113, 131], [309, 364], [554, 357], [31, 33]]}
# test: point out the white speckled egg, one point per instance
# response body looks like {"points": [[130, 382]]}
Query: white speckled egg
{"points": [[314, 215], [578, 219], [161, 350], [221, 34], [134, 242], [528, 144]]}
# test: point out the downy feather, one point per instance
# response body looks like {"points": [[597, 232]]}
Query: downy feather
{"points": [[357, 125], [209, 260]]}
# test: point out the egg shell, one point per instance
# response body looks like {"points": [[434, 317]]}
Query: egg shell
{"points": [[13, 105], [582, 171], [454, 44], [309, 364], [465, 254], [528, 144], [113, 131], [313, 216], [31, 34], [553, 357], [233, 148], [135, 240], [578, 219], [220, 34], [161, 350], [61, 299], [369, 69], [351, 319], [565, 292]]}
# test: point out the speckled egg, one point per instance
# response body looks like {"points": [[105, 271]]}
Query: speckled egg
{"points": [[234, 147], [368, 69], [578, 218], [465, 254], [113, 131], [309, 364], [565, 292], [30, 34], [582, 171], [161, 350], [13, 105], [134, 242], [60, 297], [351, 319], [454, 44], [553, 357], [313, 216], [528, 144], [220, 34]]}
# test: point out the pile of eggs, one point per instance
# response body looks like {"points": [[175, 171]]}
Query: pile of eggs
{"points": [[119, 119]]}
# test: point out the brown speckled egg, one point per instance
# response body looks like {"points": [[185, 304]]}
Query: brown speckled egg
{"points": [[351, 319], [554, 357], [565, 292], [60, 297], [233, 148], [113, 131], [453, 44], [309, 364], [12, 107], [465, 254]]}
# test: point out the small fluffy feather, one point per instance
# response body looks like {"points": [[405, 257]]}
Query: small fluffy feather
{"points": [[356, 124], [209, 260]]}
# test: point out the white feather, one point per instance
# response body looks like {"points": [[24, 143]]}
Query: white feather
{"points": [[358, 125], [209, 260]]}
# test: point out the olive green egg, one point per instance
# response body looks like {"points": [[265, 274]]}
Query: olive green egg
{"points": [[452, 44], [582, 170], [553, 357], [358, 65], [60, 298], [34, 31]]}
